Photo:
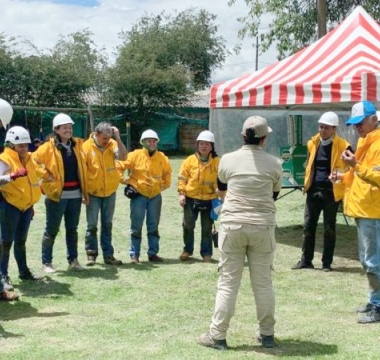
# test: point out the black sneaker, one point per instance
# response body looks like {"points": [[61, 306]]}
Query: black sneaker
{"points": [[327, 268], [30, 276], [266, 341], [208, 341], [371, 316], [303, 265], [364, 309], [155, 258], [112, 261], [7, 283]]}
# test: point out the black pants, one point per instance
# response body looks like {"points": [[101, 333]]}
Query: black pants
{"points": [[316, 202]]}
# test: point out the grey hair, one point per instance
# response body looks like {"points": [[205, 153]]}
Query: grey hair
{"points": [[104, 128]]}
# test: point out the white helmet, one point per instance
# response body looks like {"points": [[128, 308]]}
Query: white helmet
{"points": [[6, 112], [149, 134], [206, 136], [329, 118], [17, 135], [62, 119]]}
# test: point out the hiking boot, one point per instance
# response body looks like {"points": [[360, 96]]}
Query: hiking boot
{"points": [[371, 316], [185, 256], [327, 268], [91, 260], [30, 276], [112, 261], [8, 296], [208, 341], [8, 286], [302, 265], [266, 341], [207, 259], [48, 268], [364, 309], [155, 258], [134, 260], [74, 265]]}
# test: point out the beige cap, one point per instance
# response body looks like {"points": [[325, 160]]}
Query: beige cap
{"points": [[257, 123]]}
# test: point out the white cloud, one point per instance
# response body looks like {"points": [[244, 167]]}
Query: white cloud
{"points": [[42, 21]]}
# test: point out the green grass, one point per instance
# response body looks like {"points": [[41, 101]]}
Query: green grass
{"points": [[158, 311]]}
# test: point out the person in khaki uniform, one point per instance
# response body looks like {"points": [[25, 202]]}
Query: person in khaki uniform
{"points": [[101, 154], [249, 180]]}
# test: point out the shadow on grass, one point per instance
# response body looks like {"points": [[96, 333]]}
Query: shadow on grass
{"points": [[45, 287], [105, 272], [5, 334], [289, 347], [346, 239], [22, 309]]}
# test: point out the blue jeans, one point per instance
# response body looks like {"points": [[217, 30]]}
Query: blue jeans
{"points": [[369, 254], [106, 207], [190, 217], [152, 207], [14, 229], [69, 209]]}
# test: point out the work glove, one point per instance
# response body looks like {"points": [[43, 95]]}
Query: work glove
{"points": [[18, 173]]}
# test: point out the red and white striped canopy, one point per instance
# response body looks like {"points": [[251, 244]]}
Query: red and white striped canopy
{"points": [[343, 66]]}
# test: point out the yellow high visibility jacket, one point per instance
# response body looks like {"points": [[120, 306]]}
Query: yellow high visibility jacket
{"points": [[49, 162], [102, 175], [198, 180], [149, 175], [22, 192], [338, 146], [362, 193]]}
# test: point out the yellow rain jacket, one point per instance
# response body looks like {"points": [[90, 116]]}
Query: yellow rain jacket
{"points": [[196, 179], [338, 146], [362, 195], [149, 175], [49, 162], [102, 175], [22, 192]]}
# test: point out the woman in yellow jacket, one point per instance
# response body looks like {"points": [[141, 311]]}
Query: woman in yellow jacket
{"points": [[197, 185], [62, 168], [20, 191], [150, 174]]}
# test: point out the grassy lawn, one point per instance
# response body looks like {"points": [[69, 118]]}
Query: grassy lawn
{"points": [[158, 311]]}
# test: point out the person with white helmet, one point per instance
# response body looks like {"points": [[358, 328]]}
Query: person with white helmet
{"points": [[197, 185], [62, 169], [101, 153], [149, 175], [324, 151], [20, 191], [6, 113]]}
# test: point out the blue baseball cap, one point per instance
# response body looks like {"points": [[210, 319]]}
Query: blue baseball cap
{"points": [[360, 111]]}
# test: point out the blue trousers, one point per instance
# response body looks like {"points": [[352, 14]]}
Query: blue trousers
{"points": [[140, 206]]}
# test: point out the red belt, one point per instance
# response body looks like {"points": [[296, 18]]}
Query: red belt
{"points": [[71, 183]]}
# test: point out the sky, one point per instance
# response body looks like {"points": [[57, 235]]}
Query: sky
{"points": [[43, 21]]}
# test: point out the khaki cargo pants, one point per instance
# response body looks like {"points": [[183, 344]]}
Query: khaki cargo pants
{"points": [[238, 242]]}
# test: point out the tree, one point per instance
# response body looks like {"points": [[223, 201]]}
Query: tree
{"points": [[294, 22], [163, 58]]}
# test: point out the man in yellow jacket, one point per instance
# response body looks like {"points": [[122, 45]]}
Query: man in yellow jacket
{"points": [[362, 200], [324, 150], [6, 114], [150, 174], [101, 153]]}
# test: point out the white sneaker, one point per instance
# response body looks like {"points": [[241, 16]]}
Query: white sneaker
{"points": [[74, 265], [48, 268]]}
